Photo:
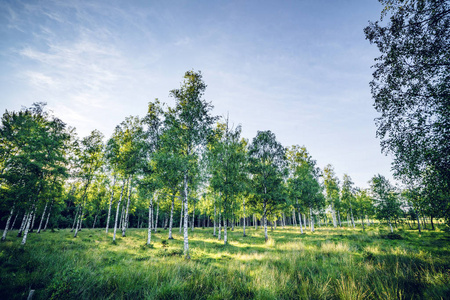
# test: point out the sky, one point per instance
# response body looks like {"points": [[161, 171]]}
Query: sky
{"points": [[298, 68]]}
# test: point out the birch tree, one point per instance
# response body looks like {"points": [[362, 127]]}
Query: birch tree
{"points": [[267, 166]]}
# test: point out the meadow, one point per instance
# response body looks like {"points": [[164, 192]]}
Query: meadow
{"points": [[330, 263]]}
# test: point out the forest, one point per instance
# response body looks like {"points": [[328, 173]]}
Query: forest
{"points": [[177, 204]]}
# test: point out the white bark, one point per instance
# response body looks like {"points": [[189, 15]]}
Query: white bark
{"points": [[266, 237], [353, 220], [390, 226], [155, 227], [125, 218], [181, 216], [7, 224], [117, 211], [311, 220], [186, 217], [27, 226], [110, 203], [339, 218], [171, 217], [300, 222], [22, 225], [333, 214], [214, 234], [42, 217], [243, 206], [14, 222], [220, 228], [225, 235], [48, 215], [150, 221], [294, 222]]}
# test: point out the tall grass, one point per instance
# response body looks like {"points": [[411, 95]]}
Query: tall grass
{"points": [[328, 264]]}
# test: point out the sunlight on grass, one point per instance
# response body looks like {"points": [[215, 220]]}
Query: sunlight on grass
{"points": [[331, 263]]}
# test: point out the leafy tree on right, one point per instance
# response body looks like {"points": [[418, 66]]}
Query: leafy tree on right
{"points": [[411, 89]]}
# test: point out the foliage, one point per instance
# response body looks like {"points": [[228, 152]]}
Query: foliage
{"points": [[411, 89]]}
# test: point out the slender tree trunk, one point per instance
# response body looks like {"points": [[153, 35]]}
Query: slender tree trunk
{"points": [[150, 221], [14, 222], [78, 224], [362, 223], [220, 226], [193, 216], [353, 220], [42, 217], [48, 214], [311, 220], [300, 221], [214, 234], [418, 222], [243, 207], [117, 211], [266, 237], [27, 226], [339, 218], [33, 219], [156, 219], [390, 225], [171, 217], [110, 203], [225, 235], [22, 225], [181, 216], [256, 222], [75, 219], [95, 220], [294, 221], [186, 217], [125, 218], [431, 221], [333, 214], [7, 224]]}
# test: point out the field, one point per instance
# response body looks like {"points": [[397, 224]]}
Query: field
{"points": [[328, 264]]}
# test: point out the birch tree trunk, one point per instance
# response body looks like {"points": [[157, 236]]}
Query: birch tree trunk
{"points": [[339, 219], [125, 219], [362, 224], [95, 220], [27, 227], [171, 217], [390, 226], [333, 214], [78, 225], [353, 220], [76, 218], [220, 228], [311, 221], [7, 224], [294, 221], [418, 222], [150, 221], [181, 217], [186, 218], [300, 221], [14, 222], [225, 236], [48, 214], [42, 217], [22, 225], [117, 211], [266, 237], [214, 234], [243, 207], [155, 227], [193, 216], [110, 203]]}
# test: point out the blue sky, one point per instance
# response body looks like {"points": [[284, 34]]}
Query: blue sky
{"points": [[298, 68]]}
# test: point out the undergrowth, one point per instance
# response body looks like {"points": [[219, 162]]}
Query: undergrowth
{"points": [[328, 264]]}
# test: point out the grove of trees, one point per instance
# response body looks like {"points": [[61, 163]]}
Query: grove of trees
{"points": [[178, 159]]}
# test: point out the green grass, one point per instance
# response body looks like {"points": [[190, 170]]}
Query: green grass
{"points": [[327, 264]]}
